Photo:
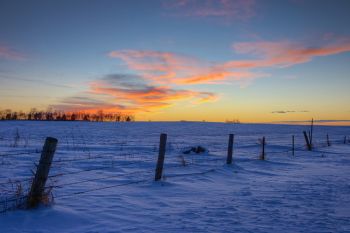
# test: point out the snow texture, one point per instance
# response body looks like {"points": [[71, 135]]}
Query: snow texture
{"points": [[102, 178]]}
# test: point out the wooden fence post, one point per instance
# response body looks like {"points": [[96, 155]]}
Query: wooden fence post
{"points": [[230, 149], [293, 147], [262, 156], [328, 142], [161, 155], [307, 141], [344, 139], [38, 185]]}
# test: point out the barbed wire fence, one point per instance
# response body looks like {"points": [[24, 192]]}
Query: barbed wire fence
{"points": [[123, 167]]}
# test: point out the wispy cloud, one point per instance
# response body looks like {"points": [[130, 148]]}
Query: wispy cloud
{"points": [[229, 9], [86, 103], [284, 53], [33, 81], [9, 53], [288, 111]]}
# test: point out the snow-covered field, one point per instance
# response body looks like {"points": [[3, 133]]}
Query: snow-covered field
{"points": [[102, 178]]}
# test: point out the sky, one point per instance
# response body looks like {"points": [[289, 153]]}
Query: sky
{"points": [[255, 61]]}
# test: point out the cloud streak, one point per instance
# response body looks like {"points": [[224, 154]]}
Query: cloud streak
{"points": [[288, 111], [283, 53], [228, 9], [11, 54]]}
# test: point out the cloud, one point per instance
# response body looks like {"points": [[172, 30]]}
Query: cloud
{"points": [[284, 53], [175, 69], [87, 104], [145, 96], [229, 9], [10, 53], [33, 81], [167, 68], [156, 65], [130, 93], [280, 112], [288, 111]]}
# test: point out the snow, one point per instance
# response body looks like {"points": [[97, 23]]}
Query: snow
{"points": [[102, 178]]}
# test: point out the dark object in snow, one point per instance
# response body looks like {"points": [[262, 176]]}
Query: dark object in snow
{"points": [[197, 150]]}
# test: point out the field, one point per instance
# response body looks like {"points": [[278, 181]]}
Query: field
{"points": [[102, 178]]}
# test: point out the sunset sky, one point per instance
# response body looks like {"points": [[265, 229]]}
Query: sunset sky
{"points": [[164, 60]]}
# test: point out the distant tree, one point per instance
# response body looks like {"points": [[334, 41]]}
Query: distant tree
{"points": [[34, 114], [73, 117]]}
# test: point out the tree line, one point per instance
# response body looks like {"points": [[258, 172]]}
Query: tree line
{"points": [[49, 115]]}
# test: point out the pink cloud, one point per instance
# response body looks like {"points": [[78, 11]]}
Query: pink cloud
{"points": [[167, 68], [10, 54], [284, 53], [156, 65]]}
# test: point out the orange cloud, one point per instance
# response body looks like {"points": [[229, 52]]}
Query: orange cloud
{"points": [[149, 96], [165, 68], [220, 76], [209, 78], [123, 93]]}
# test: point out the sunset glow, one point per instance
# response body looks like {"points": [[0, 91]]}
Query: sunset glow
{"points": [[254, 61]]}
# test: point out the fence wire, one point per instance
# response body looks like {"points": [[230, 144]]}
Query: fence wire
{"points": [[11, 198]]}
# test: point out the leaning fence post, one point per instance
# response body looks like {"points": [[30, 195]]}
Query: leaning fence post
{"points": [[293, 147], [160, 162], [230, 149], [38, 185], [307, 141], [262, 156], [328, 142]]}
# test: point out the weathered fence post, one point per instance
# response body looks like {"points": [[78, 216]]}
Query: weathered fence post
{"points": [[262, 156], [328, 142], [160, 162], [293, 148], [230, 149], [38, 185], [307, 141], [344, 139]]}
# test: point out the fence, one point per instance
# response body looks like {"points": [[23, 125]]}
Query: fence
{"points": [[121, 168]]}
